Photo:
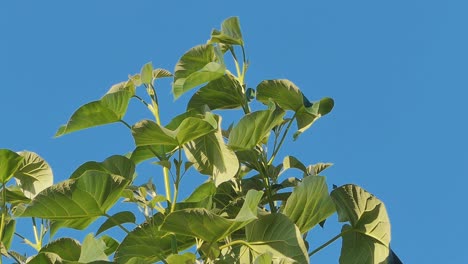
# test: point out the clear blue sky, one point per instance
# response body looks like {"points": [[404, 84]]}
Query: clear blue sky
{"points": [[396, 69]]}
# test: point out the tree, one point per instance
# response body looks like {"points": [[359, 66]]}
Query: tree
{"points": [[247, 211]]}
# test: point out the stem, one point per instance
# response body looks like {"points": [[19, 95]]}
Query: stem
{"points": [[36, 237], [177, 180], [275, 151], [117, 223], [141, 100], [329, 242], [126, 124], [233, 243], [2, 223]]}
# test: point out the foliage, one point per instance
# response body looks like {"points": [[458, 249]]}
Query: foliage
{"points": [[247, 211]]}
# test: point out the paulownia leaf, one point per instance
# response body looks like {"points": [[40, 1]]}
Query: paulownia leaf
{"points": [[317, 168], [186, 258], [277, 235], [148, 244], [117, 219], [222, 93], [117, 165], [9, 163], [109, 109], [78, 202], [230, 33], [45, 258], [208, 226], [34, 174], [197, 66], [292, 162], [253, 128], [8, 232], [111, 244], [146, 73], [67, 248], [93, 249], [309, 203], [211, 156], [367, 239], [143, 153], [308, 115]]}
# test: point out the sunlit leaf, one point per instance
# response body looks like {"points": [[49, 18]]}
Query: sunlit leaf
{"points": [[186, 258], [117, 219], [367, 239], [292, 162], [146, 73], [208, 226], [253, 127], [110, 109], [222, 93], [93, 249], [197, 66], [117, 165], [161, 73], [283, 92], [211, 156], [317, 168], [309, 203], [67, 248], [230, 33], [9, 163], [308, 115], [34, 174], [276, 234]]}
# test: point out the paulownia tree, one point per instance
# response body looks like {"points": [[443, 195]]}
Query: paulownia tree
{"points": [[254, 207]]}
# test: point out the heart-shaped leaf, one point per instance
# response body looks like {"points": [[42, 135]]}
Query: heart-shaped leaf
{"points": [[34, 174], [230, 33]]}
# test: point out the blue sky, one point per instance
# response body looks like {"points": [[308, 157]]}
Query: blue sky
{"points": [[396, 69]]}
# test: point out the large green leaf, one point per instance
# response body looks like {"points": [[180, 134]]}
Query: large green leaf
{"points": [[211, 156], [208, 226], [186, 258], [34, 174], [230, 33], [109, 109], [253, 128], [148, 133], [197, 66], [9, 163], [67, 248], [276, 234], [222, 93], [140, 154], [306, 116], [78, 202], [283, 92], [148, 244], [309, 203], [117, 165], [367, 239], [45, 258]]}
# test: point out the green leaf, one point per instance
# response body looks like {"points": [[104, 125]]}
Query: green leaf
{"points": [[292, 162], [222, 93], [276, 234], [309, 203], [161, 73], [265, 258], [9, 164], [8, 233], [317, 168], [230, 33], [45, 258], [110, 109], [367, 239], [195, 67], [148, 244], [117, 165], [67, 248], [211, 156], [146, 73], [92, 249], [186, 258], [34, 174], [146, 152], [202, 192], [283, 92], [308, 115], [78, 201], [14, 196], [117, 219], [111, 244], [208, 226], [253, 128]]}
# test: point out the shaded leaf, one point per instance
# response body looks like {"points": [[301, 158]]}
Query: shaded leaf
{"points": [[109, 109], [317, 168], [148, 244], [208, 226], [117, 219], [308, 115], [67, 248], [292, 162], [309, 203], [8, 233], [146, 152], [283, 92], [211, 156], [367, 239], [222, 93], [186, 258], [45, 258], [253, 128], [276, 234], [195, 67], [111, 244], [9, 163], [230, 33]]}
